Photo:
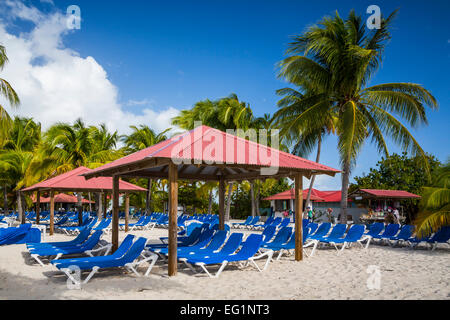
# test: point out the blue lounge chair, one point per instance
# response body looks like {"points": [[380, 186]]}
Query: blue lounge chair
{"points": [[403, 236], [21, 234], [441, 236], [183, 240], [289, 245], [338, 231], [125, 256], [139, 222], [265, 224], [84, 234], [281, 237], [312, 227], [215, 244], [253, 223], [374, 231], [390, 231], [353, 235], [268, 233], [203, 240], [246, 253], [321, 231], [89, 223], [245, 223], [86, 247], [103, 225], [232, 244], [284, 223], [276, 222]]}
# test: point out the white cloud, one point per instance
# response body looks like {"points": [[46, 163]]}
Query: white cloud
{"points": [[55, 84], [132, 102]]}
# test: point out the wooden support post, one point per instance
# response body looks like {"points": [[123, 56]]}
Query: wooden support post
{"points": [[38, 206], [115, 214], [80, 208], [298, 217], [221, 204], [52, 211], [173, 215], [105, 195], [99, 205], [127, 210]]}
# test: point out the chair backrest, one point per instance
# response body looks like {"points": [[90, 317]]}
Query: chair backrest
{"points": [[233, 242], [255, 220], [276, 221], [283, 235], [338, 230], [312, 227], [83, 235], [375, 228], [269, 220], [92, 241], [248, 220], [193, 236], [323, 229], [442, 235], [134, 252], [205, 237], [268, 233], [285, 222], [391, 230], [250, 246], [124, 246], [217, 240], [406, 232], [355, 232]]}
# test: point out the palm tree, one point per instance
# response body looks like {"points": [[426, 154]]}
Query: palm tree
{"points": [[72, 146], [8, 92], [336, 59], [304, 138], [435, 203], [141, 138], [225, 113], [20, 165]]}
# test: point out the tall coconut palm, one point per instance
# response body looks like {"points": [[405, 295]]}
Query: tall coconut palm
{"points": [[435, 203], [143, 137], [337, 58], [304, 138], [7, 91]]}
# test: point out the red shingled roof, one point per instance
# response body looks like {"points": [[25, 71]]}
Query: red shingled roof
{"points": [[61, 198], [390, 193], [73, 181], [196, 145], [316, 195]]}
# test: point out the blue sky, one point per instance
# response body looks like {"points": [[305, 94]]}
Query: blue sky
{"points": [[161, 54]]}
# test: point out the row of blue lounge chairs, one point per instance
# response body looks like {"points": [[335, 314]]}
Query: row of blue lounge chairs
{"points": [[252, 223]]}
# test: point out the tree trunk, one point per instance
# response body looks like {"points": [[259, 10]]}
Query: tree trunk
{"points": [[313, 177], [345, 180], [148, 206], [257, 202], [5, 199], [210, 201], [252, 197], [80, 209], [20, 208], [90, 205], [99, 205], [227, 211]]}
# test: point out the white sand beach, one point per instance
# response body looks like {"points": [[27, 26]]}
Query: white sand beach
{"points": [[405, 274]]}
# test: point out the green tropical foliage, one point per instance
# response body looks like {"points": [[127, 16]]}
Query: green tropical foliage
{"points": [[398, 172], [434, 210], [7, 91], [335, 60]]}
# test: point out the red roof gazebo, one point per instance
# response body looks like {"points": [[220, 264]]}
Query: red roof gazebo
{"points": [[73, 181], [206, 154], [60, 198]]}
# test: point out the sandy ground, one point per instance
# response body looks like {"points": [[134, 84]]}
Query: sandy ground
{"points": [[403, 274]]}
